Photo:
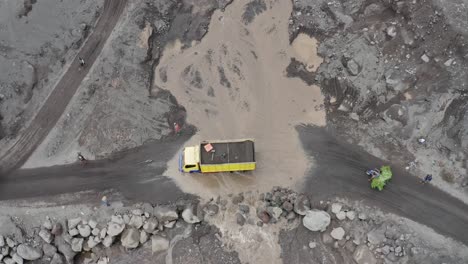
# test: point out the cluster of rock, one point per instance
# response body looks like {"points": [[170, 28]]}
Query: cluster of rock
{"points": [[61, 242]]}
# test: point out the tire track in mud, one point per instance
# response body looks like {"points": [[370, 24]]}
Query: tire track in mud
{"points": [[50, 112]]}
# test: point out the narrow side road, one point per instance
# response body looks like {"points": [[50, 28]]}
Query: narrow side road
{"points": [[340, 173], [50, 112]]}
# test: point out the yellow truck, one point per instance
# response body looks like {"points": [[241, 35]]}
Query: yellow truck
{"points": [[218, 156]]}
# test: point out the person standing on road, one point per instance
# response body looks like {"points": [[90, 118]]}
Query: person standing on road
{"points": [[82, 62], [427, 179]]}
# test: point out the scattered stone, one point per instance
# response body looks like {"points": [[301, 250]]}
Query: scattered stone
{"points": [[159, 244], [301, 205], [398, 249], [137, 212], [244, 208], [264, 217], [312, 244], [337, 233], [316, 220], [189, 217], [146, 214], [165, 214], [170, 224], [392, 232], [287, 206], [136, 221], [92, 223], [49, 250], [275, 212], [130, 238], [47, 224], [353, 67], [143, 237], [77, 244], [73, 232], [385, 250], [240, 219], [391, 31], [10, 242], [57, 229], [95, 232], [103, 260], [17, 258], [92, 242], [150, 225], [64, 248], [238, 198], [425, 58], [103, 233], [291, 215], [85, 230], [2, 241], [212, 209], [108, 241], [115, 229], [336, 208], [72, 223], [117, 219], [126, 219], [362, 255], [354, 116], [57, 259], [448, 62], [9, 261], [341, 215], [362, 216], [46, 235], [351, 215], [376, 236]]}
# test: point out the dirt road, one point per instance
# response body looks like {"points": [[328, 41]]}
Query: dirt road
{"points": [[137, 174], [58, 100], [340, 173]]}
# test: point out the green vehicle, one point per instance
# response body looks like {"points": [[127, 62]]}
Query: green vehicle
{"points": [[379, 180]]}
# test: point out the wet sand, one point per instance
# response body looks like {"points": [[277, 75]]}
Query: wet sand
{"points": [[234, 85]]}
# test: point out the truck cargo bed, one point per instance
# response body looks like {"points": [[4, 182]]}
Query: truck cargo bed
{"points": [[228, 152]]}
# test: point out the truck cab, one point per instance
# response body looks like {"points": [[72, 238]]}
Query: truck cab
{"points": [[189, 159]]}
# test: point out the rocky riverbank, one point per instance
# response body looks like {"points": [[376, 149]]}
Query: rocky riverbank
{"points": [[337, 231]]}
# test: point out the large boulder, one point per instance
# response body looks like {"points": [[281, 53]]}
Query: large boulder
{"points": [[336, 208], [114, 229], [57, 259], [143, 237], [337, 233], [363, 255], [108, 240], [189, 217], [46, 235], [72, 223], [84, 230], [150, 225], [165, 214], [316, 220], [64, 248], [118, 219], [130, 238], [49, 250], [77, 244], [159, 244], [302, 204], [17, 258], [28, 253], [2, 241], [274, 212], [136, 221]]}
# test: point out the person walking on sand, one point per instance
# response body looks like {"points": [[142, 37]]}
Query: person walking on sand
{"points": [[82, 62]]}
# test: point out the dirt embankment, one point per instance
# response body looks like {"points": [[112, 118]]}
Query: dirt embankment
{"points": [[393, 73]]}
